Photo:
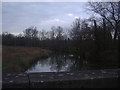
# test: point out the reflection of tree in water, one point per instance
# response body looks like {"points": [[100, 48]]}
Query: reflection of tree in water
{"points": [[77, 64], [64, 63], [58, 62], [61, 63]]}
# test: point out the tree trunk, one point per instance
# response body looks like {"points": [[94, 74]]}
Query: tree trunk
{"points": [[96, 37], [116, 31], [119, 50], [104, 29]]}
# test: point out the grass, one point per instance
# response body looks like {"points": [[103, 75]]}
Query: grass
{"points": [[19, 59]]}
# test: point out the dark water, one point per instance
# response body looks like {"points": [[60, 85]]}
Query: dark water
{"points": [[59, 63]]}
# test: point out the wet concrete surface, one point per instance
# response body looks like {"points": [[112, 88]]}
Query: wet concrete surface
{"points": [[108, 78]]}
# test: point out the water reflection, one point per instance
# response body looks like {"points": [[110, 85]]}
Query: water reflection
{"points": [[58, 63]]}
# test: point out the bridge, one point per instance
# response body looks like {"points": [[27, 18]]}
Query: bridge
{"points": [[108, 78]]}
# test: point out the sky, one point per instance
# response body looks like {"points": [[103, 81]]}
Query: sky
{"points": [[17, 16]]}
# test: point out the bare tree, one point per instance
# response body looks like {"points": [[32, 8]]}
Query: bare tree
{"points": [[43, 37], [31, 32], [110, 12], [52, 33], [31, 35], [59, 32], [34, 33], [75, 32]]}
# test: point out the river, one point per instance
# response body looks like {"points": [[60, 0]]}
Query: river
{"points": [[59, 63]]}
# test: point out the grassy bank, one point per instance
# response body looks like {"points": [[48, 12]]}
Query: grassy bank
{"points": [[19, 59]]}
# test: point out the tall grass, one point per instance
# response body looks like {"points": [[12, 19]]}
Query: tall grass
{"points": [[19, 59]]}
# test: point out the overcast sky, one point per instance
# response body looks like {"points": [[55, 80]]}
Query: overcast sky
{"points": [[17, 16]]}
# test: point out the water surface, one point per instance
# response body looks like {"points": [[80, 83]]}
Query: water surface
{"points": [[59, 63]]}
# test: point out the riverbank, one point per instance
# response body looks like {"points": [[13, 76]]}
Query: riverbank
{"points": [[19, 59]]}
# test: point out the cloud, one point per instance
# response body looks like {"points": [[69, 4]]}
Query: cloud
{"points": [[76, 17], [57, 20], [70, 14], [53, 22], [18, 16]]}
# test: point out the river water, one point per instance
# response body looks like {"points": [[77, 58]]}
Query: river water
{"points": [[59, 63]]}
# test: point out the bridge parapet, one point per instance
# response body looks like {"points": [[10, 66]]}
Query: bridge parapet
{"points": [[108, 78]]}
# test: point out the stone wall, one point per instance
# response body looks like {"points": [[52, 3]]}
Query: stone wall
{"points": [[108, 78]]}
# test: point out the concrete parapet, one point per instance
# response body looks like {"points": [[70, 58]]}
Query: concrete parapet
{"points": [[108, 78]]}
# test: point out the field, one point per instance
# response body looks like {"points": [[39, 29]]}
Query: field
{"points": [[19, 59]]}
